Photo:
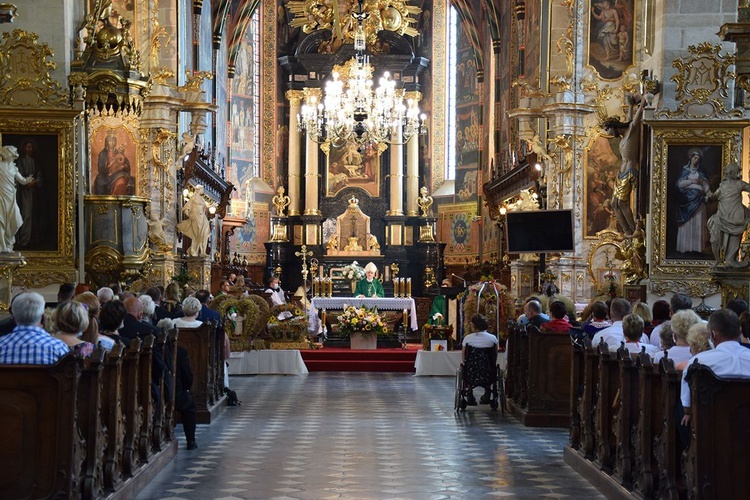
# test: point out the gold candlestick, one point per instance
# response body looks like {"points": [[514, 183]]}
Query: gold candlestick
{"points": [[323, 315], [408, 287], [405, 318]]}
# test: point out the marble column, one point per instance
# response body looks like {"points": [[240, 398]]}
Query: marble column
{"points": [[311, 178], [397, 174], [295, 181], [412, 167]]}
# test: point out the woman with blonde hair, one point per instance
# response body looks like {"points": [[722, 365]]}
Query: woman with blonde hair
{"points": [[93, 306], [680, 324], [190, 307], [71, 318], [644, 311], [172, 299], [698, 340]]}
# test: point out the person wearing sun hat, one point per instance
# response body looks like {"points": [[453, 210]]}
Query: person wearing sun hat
{"points": [[370, 286]]}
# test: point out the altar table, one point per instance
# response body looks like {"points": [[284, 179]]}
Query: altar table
{"points": [[381, 303], [437, 363], [444, 363], [267, 362]]}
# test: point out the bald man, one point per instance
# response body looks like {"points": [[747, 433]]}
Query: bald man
{"points": [[132, 325]]}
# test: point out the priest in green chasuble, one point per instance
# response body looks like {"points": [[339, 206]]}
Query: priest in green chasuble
{"points": [[370, 286]]}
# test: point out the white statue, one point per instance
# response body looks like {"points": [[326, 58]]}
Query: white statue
{"points": [[196, 225], [156, 233], [10, 215]]}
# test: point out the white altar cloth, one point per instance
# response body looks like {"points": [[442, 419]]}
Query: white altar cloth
{"points": [[437, 363], [267, 362], [382, 303], [445, 363]]}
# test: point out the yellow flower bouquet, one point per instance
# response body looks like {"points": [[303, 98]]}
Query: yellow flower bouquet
{"points": [[361, 320]]}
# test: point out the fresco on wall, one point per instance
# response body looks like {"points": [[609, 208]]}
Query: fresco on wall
{"points": [[611, 29], [247, 241], [466, 184]]}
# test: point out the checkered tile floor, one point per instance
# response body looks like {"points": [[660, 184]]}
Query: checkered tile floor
{"points": [[365, 436]]}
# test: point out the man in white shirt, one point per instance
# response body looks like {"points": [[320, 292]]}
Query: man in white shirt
{"points": [[728, 359], [612, 335], [678, 302]]}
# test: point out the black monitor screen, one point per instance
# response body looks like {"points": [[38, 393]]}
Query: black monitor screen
{"points": [[539, 231]]}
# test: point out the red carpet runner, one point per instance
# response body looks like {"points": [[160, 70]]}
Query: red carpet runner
{"points": [[334, 359]]}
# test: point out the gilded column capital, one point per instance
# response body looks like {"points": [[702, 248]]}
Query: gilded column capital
{"points": [[413, 94], [312, 92], [295, 97]]}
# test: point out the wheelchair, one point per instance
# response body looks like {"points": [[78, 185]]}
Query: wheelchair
{"points": [[480, 369]]}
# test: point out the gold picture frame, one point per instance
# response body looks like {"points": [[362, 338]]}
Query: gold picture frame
{"points": [[678, 265], [49, 253]]}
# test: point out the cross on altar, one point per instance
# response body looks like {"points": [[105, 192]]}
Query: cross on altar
{"points": [[304, 253]]}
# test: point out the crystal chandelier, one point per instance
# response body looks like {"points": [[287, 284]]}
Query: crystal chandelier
{"points": [[351, 110]]}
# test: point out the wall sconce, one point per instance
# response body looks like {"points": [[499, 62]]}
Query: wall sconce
{"points": [[212, 210]]}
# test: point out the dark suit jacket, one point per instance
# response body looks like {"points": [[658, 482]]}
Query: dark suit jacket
{"points": [[208, 314], [133, 328], [160, 313]]}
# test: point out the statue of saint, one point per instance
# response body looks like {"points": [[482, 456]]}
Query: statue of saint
{"points": [[730, 220], [333, 243], [10, 214], [196, 225], [424, 201], [627, 177], [372, 242], [280, 201]]}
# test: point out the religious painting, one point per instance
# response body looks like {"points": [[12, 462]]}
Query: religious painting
{"points": [[468, 135], [692, 171], [611, 37], [46, 201], [114, 161], [531, 44], [354, 166], [37, 199], [457, 227], [248, 240], [687, 163], [601, 164]]}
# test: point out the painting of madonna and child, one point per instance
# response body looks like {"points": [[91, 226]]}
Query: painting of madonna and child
{"points": [[113, 162], [611, 37]]}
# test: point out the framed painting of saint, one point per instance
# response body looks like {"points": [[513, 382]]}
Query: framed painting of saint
{"points": [[114, 162], [353, 166], [611, 37]]}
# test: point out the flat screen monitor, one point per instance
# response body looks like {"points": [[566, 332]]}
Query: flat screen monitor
{"points": [[539, 231]]}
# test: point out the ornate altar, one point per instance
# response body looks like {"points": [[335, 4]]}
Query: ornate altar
{"points": [[351, 236]]}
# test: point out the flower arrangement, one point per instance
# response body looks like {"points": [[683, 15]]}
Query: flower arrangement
{"points": [[353, 272], [361, 320], [437, 319]]}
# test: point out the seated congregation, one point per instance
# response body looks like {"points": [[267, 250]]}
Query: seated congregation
{"points": [[111, 374]]}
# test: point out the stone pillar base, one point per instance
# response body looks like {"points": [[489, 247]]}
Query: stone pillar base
{"points": [[199, 269], [9, 263], [163, 267]]}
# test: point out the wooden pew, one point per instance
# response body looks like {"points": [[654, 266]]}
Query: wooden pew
{"points": [[717, 460], [667, 446], [42, 451], [158, 438], [512, 380], [145, 400], [588, 400], [626, 417], [91, 426], [608, 388], [577, 365], [131, 407], [202, 346], [113, 417], [648, 427]]}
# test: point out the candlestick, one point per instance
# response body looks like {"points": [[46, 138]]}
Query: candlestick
{"points": [[408, 287], [315, 286], [330, 287], [397, 283], [405, 317], [323, 315]]}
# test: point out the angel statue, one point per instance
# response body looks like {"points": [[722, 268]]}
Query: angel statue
{"points": [[156, 233], [333, 243], [372, 242], [10, 214], [424, 201], [196, 225], [280, 201]]}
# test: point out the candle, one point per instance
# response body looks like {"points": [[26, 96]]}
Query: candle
{"points": [[387, 274], [315, 287], [323, 315], [330, 287], [397, 285], [405, 318], [408, 287]]}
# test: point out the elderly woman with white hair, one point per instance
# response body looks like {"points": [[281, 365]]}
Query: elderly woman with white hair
{"points": [[190, 308], [370, 286], [149, 307]]}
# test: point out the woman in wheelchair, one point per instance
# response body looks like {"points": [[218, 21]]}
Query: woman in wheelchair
{"points": [[480, 368]]}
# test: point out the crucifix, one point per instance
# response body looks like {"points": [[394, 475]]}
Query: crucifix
{"points": [[304, 253]]}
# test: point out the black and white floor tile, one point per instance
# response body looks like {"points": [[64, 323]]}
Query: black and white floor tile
{"points": [[365, 436]]}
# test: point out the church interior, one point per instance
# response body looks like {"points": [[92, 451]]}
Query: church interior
{"points": [[473, 152]]}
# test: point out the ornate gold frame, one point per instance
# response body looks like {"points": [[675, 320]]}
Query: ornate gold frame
{"points": [[49, 267], [684, 275]]}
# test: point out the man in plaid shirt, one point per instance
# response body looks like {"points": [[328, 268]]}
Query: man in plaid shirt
{"points": [[29, 343]]}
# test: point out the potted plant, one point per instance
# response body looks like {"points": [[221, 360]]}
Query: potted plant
{"points": [[363, 326]]}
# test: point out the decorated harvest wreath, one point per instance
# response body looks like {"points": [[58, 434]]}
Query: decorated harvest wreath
{"points": [[492, 300], [287, 323], [231, 307]]}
